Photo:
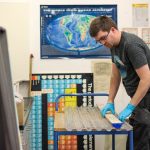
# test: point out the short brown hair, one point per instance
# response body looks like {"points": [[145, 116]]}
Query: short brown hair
{"points": [[102, 23]]}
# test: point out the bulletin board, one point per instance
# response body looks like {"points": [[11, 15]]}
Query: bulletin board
{"points": [[64, 30]]}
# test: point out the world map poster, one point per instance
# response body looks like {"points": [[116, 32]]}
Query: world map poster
{"points": [[64, 30]]}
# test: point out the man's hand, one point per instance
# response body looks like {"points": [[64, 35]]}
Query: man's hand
{"points": [[108, 107], [126, 112]]}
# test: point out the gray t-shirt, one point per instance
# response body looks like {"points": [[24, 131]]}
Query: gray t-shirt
{"points": [[131, 53]]}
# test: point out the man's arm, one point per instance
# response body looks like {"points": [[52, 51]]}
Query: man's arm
{"points": [[144, 84], [114, 83]]}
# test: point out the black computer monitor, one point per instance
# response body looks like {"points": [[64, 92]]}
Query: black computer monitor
{"points": [[9, 137]]}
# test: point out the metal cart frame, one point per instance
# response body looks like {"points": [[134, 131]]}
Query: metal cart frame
{"points": [[113, 132]]}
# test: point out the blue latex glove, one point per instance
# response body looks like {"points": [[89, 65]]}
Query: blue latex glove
{"points": [[108, 107], [126, 112]]}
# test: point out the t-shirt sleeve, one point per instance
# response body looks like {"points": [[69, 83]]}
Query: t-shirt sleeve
{"points": [[112, 54], [136, 55]]}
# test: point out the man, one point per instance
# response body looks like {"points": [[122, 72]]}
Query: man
{"points": [[131, 62]]}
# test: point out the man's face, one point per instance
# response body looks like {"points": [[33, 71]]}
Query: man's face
{"points": [[104, 38]]}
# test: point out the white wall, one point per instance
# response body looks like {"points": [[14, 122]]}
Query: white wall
{"points": [[21, 18], [14, 17]]}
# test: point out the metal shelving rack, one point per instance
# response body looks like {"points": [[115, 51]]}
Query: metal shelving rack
{"points": [[102, 132]]}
